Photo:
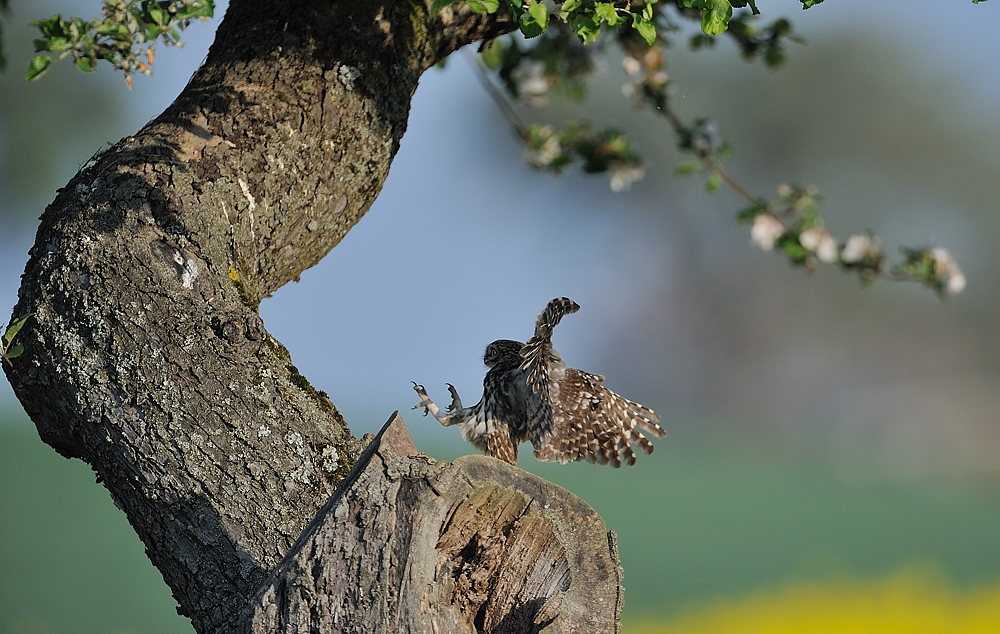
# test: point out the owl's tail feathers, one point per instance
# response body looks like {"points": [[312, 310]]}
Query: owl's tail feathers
{"points": [[553, 313], [500, 445]]}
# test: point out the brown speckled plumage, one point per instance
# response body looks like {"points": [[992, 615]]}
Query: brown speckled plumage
{"points": [[530, 394]]}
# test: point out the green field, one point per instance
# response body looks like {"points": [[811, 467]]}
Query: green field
{"points": [[701, 521], [698, 522]]}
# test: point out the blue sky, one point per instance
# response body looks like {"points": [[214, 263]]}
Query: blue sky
{"points": [[464, 246]]}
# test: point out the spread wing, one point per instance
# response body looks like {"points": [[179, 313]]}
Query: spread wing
{"points": [[544, 369], [592, 423]]}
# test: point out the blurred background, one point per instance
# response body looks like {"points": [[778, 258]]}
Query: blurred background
{"points": [[832, 461]]}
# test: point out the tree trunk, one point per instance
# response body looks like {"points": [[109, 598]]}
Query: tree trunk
{"points": [[147, 359]]}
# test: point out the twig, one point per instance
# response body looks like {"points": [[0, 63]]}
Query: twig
{"points": [[498, 98]]}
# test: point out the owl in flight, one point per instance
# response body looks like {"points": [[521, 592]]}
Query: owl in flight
{"points": [[530, 394]]}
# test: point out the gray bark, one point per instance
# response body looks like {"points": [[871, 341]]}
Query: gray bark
{"points": [[146, 357]]}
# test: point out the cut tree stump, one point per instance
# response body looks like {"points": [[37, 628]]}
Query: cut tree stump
{"points": [[412, 544]]}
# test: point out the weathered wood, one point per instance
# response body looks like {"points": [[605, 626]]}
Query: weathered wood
{"points": [[411, 544]]}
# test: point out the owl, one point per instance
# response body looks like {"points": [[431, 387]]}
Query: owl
{"points": [[530, 394]]}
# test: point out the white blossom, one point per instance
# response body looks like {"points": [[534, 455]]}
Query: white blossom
{"points": [[659, 78], [810, 238], [817, 240], [946, 266], [543, 156], [631, 65], [956, 281], [827, 249], [766, 229], [624, 175], [532, 83], [857, 248], [943, 260]]}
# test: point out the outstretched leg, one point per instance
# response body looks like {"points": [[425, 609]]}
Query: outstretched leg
{"points": [[454, 410]]}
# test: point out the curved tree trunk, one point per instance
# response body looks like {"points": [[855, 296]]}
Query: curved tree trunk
{"points": [[147, 359]]}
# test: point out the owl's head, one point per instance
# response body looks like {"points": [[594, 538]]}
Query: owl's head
{"points": [[503, 352]]}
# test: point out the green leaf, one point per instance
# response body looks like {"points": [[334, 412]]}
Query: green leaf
{"points": [[531, 29], [53, 27], [484, 7], [739, 4], [606, 11], [645, 27], [203, 10], [774, 57], [688, 167], [77, 27], [492, 54], [714, 182], [14, 352], [39, 64], [538, 12], [587, 29], [157, 14], [86, 64], [781, 26], [16, 324], [568, 7], [789, 243], [812, 3], [53, 44], [715, 14], [107, 28], [440, 4], [534, 19]]}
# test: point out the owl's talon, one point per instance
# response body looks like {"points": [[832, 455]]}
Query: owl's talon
{"points": [[456, 402], [425, 401]]}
